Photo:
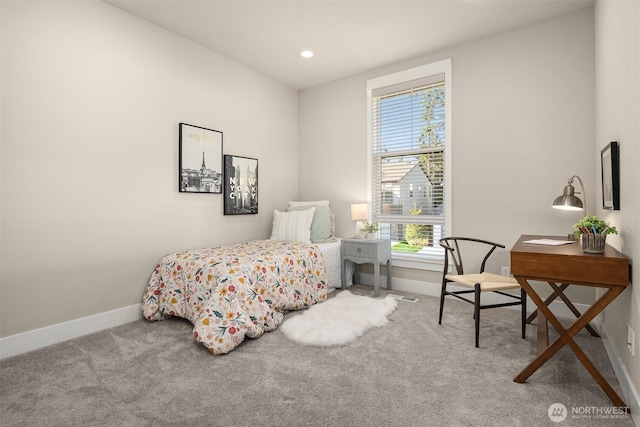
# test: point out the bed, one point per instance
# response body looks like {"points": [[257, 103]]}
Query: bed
{"points": [[243, 290]]}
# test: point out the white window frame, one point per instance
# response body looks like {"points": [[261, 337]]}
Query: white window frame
{"points": [[424, 71]]}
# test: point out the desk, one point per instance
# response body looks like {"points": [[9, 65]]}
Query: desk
{"points": [[569, 265]]}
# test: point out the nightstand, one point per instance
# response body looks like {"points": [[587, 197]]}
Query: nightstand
{"points": [[367, 251]]}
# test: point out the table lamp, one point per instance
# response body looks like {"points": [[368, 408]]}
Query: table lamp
{"points": [[359, 213], [568, 201]]}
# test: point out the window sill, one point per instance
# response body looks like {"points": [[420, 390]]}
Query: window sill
{"points": [[423, 264]]}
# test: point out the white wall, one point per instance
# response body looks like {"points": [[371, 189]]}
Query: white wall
{"points": [[523, 124], [333, 147], [617, 47], [91, 101]]}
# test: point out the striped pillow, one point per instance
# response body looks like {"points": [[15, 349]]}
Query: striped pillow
{"points": [[294, 226]]}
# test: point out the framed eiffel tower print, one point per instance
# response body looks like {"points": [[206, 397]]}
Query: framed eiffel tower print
{"points": [[199, 160]]}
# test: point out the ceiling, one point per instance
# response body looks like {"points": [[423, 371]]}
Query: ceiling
{"points": [[347, 36]]}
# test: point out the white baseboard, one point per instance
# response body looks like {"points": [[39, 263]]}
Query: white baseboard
{"points": [[38, 338], [558, 308], [630, 393]]}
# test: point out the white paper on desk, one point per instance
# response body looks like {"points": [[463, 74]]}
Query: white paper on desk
{"points": [[548, 242]]}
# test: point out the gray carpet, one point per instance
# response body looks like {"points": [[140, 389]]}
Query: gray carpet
{"points": [[411, 372]]}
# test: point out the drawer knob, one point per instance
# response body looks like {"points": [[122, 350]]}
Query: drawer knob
{"points": [[359, 250]]}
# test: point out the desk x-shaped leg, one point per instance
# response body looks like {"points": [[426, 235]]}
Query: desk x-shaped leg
{"points": [[558, 291], [566, 338]]}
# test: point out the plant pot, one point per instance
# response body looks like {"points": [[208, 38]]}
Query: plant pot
{"points": [[593, 243], [371, 235]]}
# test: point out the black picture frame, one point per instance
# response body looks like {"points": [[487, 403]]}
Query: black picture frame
{"points": [[199, 160], [610, 165], [240, 185]]}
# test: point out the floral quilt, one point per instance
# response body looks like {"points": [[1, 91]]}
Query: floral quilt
{"points": [[235, 291]]}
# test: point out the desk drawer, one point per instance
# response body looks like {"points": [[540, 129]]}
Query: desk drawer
{"points": [[359, 250]]}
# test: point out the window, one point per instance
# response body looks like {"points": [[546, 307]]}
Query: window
{"points": [[410, 146]]}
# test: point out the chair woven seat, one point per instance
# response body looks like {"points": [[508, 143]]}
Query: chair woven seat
{"points": [[488, 281]]}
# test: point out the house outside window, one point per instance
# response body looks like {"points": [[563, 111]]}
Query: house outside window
{"points": [[409, 128]]}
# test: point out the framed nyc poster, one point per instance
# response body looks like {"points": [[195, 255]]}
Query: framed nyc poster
{"points": [[240, 185]]}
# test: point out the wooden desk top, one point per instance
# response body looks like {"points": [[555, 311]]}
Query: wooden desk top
{"points": [[568, 263]]}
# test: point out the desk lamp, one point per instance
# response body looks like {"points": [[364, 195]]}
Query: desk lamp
{"points": [[359, 213], [568, 201]]}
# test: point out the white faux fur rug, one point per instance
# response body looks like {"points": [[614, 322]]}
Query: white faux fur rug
{"points": [[339, 320]]}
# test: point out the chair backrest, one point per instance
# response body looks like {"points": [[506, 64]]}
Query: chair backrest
{"points": [[452, 252]]}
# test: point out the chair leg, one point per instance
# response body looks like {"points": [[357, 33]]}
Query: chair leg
{"points": [[442, 293], [476, 313], [523, 297]]}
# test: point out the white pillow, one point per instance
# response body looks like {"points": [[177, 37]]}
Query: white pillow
{"points": [[294, 226], [317, 203]]}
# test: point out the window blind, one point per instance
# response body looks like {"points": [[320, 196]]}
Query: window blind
{"points": [[408, 149]]}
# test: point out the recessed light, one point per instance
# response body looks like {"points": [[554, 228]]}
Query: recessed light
{"points": [[306, 54]]}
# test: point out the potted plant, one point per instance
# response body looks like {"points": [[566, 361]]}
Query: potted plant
{"points": [[370, 229], [593, 232]]}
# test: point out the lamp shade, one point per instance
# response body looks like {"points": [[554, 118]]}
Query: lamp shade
{"points": [[359, 212], [568, 200]]}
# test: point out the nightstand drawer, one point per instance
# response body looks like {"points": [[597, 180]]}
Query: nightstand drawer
{"points": [[359, 250]]}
